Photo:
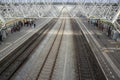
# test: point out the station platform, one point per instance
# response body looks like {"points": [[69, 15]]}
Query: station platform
{"points": [[102, 37], [15, 39]]}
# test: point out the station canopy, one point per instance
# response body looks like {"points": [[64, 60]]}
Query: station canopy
{"points": [[95, 9]]}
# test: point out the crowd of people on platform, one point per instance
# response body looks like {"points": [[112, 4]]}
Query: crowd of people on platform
{"points": [[107, 28], [15, 27], [30, 24]]}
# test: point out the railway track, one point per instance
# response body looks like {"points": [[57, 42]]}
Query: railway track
{"points": [[13, 62], [50, 54], [87, 65]]}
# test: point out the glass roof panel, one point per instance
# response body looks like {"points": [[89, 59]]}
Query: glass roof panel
{"points": [[91, 1]]}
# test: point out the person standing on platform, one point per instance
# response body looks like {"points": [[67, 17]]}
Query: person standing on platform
{"points": [[34, 25], [102, 27], [109, 31], [1, 36]]}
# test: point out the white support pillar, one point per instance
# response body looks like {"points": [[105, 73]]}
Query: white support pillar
{"points": [[116, 16]]}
